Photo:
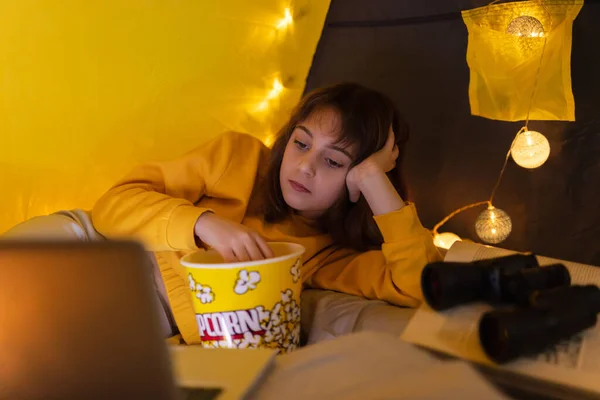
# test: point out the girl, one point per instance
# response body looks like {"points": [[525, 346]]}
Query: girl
{"points": [[332, 182]]}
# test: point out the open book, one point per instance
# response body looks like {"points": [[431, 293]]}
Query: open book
{"points": [[572, 364]]}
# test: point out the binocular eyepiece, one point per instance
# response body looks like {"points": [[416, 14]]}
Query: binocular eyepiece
{"points": [[552, 315]]}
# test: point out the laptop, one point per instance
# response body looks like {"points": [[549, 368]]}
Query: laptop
{"points": [[79, 320]]}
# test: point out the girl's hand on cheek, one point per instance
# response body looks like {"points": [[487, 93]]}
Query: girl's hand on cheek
{"points": [[383, 160], [233, 241]]}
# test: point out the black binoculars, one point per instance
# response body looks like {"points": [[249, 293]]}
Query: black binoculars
{"points": [[510, 279], [551, 316], [541, 307]]}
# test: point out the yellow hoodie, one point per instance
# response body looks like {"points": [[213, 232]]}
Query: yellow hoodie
{"points": [[159, 203]]}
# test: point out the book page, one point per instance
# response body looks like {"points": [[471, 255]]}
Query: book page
{"points": [[573, 363], [469, 251], [581, 274]]}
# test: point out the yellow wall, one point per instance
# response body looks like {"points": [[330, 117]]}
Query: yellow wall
{"points": [[89, 88]]}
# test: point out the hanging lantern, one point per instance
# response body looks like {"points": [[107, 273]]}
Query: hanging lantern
{"points": [[519, 57]]}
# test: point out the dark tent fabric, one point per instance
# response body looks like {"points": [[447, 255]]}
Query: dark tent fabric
{"points": [[415, 51]]}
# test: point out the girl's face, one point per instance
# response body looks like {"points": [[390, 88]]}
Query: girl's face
{"points": [[313, 170]]}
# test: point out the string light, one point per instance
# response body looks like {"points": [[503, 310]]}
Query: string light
{"points": [[269, 140], [493, 225], [277, 89], [530, 149], [274, 93], [286, 21], [446, 239]]}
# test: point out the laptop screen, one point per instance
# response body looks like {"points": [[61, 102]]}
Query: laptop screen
{"points": [[78, 320]]}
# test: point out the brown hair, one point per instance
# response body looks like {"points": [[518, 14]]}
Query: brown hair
{"points": [[365, 117]]}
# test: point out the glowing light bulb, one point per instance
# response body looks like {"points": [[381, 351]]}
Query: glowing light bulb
{"points": [[530, 149], [525, 26], [286, 21], [493, 225], [262, 106], [277, 89], [445, 240], [269, 140], [273, 94]]}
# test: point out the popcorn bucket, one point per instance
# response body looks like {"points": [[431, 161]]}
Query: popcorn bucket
{"points": [[247, 304]]}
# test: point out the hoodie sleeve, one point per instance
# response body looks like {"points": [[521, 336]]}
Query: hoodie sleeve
{"points": [[393, 273], [155, 203]]}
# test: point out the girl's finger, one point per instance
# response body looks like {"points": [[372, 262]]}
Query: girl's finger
{"points": [[239, 249], [228, 255], [263, 246], [391, 166], [390, 142], [354, 195], [252, 249]]}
